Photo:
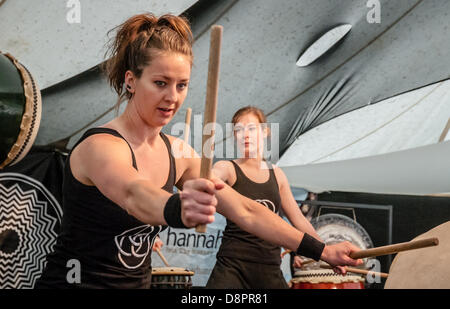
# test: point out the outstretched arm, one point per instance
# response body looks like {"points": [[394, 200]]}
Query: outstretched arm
{"points": [[104, 161], [290, 206]]}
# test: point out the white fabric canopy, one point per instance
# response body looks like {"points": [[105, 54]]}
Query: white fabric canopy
{"points": [[418, 171], [413, 119]]}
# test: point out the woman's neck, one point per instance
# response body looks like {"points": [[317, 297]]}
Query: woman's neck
{"points": [[135, 129], [256, 163]]}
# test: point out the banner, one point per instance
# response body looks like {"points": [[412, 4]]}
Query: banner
{"points": [[196, 252], [30, 216]]}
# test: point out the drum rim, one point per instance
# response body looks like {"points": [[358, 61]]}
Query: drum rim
{"points": [[324, 276], [31, 117], [171, 271]]}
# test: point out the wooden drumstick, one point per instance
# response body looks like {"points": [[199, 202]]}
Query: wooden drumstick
{"points": [[308, 261], [286, 251], [365, 272], [187, 125], [212, 89], [385, 250], [162, 257]]}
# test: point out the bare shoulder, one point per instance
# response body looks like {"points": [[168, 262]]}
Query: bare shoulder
{"points": [[223, 165], [280, 175], [95, 153], [224, 170], [102, 144]]}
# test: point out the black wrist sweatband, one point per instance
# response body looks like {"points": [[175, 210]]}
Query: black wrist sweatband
{"points": [[172, 212], [310, 247]]}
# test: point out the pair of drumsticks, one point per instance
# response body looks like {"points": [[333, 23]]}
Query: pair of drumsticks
{"points": [[378, 251]]}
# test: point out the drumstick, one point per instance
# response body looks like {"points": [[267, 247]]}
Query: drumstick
{"points": [[212, 89], [286, 251], [385, 250], [162, 257], [304, 262], [360, 271], [187, 125]]}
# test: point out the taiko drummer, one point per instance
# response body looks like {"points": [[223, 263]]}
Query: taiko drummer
{"points": [[117, 193]]}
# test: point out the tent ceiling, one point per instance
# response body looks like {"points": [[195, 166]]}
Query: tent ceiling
{"points": [[410, 120], [38, 34], [262, 42]]}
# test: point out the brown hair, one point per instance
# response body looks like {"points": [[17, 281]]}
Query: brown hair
{"points": [[136, 39], [249, 110], [257, 112]]}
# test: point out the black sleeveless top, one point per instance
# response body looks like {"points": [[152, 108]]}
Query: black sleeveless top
{"points": [[239, 244], [113, 248]]}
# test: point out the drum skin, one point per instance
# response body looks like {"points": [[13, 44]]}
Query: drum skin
{"points": [[20, 110], [425, 268]]}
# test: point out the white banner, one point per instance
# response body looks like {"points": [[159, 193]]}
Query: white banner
{"points": [[197, 251], [191, 250]]}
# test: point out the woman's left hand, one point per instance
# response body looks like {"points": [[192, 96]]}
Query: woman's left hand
{"points": [[157, 245]]}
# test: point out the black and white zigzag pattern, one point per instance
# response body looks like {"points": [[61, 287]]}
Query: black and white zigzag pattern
{"points": [[21, 211]]}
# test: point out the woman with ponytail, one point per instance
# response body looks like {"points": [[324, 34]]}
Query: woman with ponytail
{"points": [[117, 190]]}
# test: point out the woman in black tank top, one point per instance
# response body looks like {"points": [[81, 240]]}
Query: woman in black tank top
{"points": [[117, 191], [119, 177], [244, 260]]}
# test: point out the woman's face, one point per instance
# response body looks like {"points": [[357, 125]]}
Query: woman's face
{"points": [[249, 134], [161, 89]]}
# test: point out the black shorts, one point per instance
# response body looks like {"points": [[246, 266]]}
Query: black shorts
{"points": [[232, 273]]}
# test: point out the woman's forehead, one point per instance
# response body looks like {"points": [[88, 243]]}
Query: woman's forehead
{"points": [[248, 118], [169, 66]]}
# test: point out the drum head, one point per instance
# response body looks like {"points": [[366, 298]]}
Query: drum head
{"points": [[20, 110], [426, 268]]}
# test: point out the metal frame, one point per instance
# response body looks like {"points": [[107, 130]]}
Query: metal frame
{"points": [[341, 205]]}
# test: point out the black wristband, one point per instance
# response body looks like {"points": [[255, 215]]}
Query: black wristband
{"points": [[172, 212], [310, 247]]}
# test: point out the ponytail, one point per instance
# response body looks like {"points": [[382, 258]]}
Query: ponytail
{"points": [[131, 48]]}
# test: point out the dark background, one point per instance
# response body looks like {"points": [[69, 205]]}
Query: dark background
{"points": [[412, 216]]}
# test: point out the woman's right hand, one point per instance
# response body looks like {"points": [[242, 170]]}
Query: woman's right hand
{"points": [[198, 201], [339, 254]]}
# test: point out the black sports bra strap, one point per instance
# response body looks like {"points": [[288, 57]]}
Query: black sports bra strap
{"points": [[113, 132], [172, 174], [238, 171]]}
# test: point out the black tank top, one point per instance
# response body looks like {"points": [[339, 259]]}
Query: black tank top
{"points": [[113, 248], [237, 243]]}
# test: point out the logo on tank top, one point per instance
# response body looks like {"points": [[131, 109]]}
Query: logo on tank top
{"points": [[135, 245], [269, 204]]}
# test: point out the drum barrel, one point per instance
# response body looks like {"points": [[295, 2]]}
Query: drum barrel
{"points": [[12, 105], [20, 110]]}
